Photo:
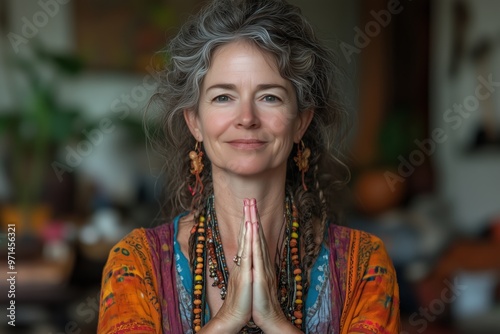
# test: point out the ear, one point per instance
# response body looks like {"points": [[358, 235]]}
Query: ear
{"points": [[192, 122], [303, 120]]}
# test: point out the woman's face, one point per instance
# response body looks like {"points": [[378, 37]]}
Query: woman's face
{"points": [[247, 115]]}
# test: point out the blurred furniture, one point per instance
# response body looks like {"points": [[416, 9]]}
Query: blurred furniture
{"points": [[41, 286]]}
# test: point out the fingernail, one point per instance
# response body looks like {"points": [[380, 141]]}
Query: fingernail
{"points": [[252, 201], [245, 201]]}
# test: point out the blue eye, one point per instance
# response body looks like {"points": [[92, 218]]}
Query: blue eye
{"points": [[221, 98], [271, 98]]}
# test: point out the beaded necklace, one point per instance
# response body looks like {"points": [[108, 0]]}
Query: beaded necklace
{"points": [[209, 250]]}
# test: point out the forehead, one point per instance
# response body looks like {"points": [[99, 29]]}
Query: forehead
{"points": [[242, 55]]}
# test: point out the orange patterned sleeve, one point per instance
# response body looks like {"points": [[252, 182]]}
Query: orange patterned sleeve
{"points": [[129, 302], [373, 302]]}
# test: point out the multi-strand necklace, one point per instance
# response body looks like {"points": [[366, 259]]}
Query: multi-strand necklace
{"points": [[209, 251]]}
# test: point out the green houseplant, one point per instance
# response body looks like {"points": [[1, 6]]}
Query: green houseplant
{"points": [[35, 127]]}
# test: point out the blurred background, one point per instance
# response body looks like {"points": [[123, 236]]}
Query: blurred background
{"points": [[76, 174]]}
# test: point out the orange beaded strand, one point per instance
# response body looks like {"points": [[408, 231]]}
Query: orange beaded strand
{"points": [[297, 270], [199, 275]]}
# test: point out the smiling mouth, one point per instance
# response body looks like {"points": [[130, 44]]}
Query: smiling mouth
{"points": [[247, 143]]}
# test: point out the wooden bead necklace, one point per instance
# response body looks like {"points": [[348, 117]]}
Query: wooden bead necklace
{"points": [[209, 250]]}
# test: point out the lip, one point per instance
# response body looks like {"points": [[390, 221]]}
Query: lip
{"points": [[248, 144]]}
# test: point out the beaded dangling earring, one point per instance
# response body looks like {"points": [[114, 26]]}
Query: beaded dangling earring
{"points": [[302, 160], [196, 168]]}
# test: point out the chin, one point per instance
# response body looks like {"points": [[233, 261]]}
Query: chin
{"points": [[253, 169], [245, 170]]}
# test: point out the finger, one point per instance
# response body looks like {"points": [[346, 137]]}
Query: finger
{"points": [[255, 217], [261, 232], [241, 236], [261, 259], [257, 254], [241, 246], [246, 214], [256, 220], [253, 211], [246, 210], [259, 247], [246, 255]]}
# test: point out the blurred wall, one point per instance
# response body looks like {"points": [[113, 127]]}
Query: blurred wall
{"points": [[468, 173], [334, 22], [94, 91], [91, 91]]}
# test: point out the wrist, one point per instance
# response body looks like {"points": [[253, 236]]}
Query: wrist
{"points": [[220, 324], [280, 326]]}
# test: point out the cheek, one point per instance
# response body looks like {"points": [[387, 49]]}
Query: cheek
{"points": [[282, 125], [214, 125]]}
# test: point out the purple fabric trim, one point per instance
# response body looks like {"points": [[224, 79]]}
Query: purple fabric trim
{"points": [[339, 239], [162, 248]]}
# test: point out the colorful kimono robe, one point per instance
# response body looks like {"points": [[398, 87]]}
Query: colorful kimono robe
{"points": [[144, 286]]}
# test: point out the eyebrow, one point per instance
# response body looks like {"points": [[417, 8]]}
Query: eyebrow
{"points": [[259, 87]]}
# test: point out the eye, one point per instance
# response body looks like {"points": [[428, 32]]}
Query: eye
{"points": [[271, 98], [221, 98]]}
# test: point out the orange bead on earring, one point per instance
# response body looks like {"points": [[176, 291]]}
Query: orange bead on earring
{"points": [[302, 161], [196, 168]]}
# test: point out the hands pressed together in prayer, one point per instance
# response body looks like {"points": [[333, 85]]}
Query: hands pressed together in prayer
{"points": [[252, 287]]}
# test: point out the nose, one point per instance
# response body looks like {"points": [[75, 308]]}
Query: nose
{"points": [[247, 115]]}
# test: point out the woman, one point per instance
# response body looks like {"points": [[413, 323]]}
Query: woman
{"points": [[251, 123]]}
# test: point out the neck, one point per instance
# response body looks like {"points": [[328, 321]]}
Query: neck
{"points": [[231, 190]]}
